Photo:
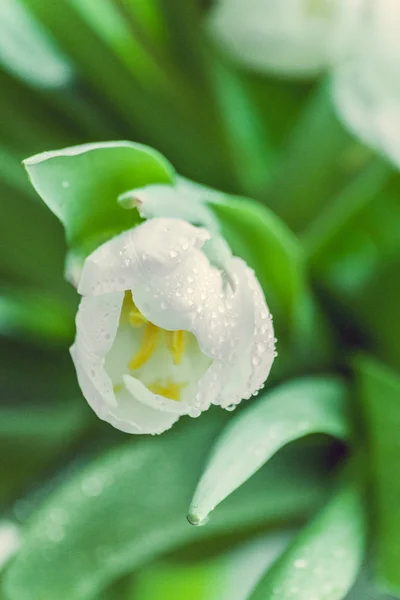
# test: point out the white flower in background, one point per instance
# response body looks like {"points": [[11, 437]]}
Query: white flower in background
{"points": [[358, 41], [289, 37], [366, 76], [170, 322]]}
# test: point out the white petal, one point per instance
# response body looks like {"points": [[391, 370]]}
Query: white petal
{"points": [[184, 200], [176, 286], [291, 37], [366, 86], [246, 356], [136, 255], [97, 323]]}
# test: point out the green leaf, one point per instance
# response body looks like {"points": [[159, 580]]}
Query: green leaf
{"points": [[128, 507], [289, 412], [325, 558], [41, 413], [311, 162], [230, 576], [379, 392], [81, 185], [27, 50], [356, 258], [267, 245], [35, 315]]}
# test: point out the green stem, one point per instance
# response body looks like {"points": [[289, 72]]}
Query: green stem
{"points": [[309, 166], [363, 189]]}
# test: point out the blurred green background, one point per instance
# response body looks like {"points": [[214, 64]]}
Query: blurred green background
{"points": [[97, 513]]}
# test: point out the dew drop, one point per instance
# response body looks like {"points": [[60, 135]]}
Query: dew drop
{"points": [[300, 563], [173, 253], [65, 184], [230, 407]]}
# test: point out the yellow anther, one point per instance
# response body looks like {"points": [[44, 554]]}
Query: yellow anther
{"points": [[117, 387], [135, 317], [130, 313], [149, 343], [169, 389], [176, 345]]}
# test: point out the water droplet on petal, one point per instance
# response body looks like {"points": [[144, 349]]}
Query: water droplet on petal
{"points": [[230, 407], [173, 253]]}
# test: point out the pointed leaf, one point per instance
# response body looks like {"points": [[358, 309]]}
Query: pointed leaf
{"points": [[128, 507], [81, 185], [325, 558], [268, 246], [289, 412], [379, 390]]}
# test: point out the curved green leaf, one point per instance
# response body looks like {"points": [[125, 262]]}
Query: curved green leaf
{"points": [[27, 50], [291, 411], [128, 507], [325, 558], [379, 392], [268, 246], [81, 185], [35, 315]]}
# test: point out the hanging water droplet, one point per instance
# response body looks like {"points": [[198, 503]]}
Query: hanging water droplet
{"points": [[230, 407], [194, 412]]}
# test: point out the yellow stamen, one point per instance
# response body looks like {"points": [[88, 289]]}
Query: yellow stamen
{"points": [[169, 390], [130, 313], [176, 345], [117, 387], [135, 317], [149, 343]]}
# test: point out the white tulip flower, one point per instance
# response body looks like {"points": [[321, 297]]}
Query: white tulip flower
{"points": [[366, 76], [289, 37], [169, 322]]}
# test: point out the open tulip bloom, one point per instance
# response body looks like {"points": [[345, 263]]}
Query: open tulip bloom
{"points": [[169, 322]]}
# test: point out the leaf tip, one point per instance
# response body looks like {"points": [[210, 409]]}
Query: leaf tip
{"points": [[194, 519]]}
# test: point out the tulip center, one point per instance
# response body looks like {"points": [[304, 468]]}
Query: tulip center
{"points": [[168, 363]]}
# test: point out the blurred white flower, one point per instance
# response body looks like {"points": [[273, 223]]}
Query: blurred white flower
{"points": [[290, 37], [169, 323], [366, 75], [10, 541], [358, 41]]}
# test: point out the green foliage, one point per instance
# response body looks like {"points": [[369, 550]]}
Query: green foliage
{"points": [[379, 394], [81, 186], [289, 412], [324, 560], [107, 513], [127, 507]]}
